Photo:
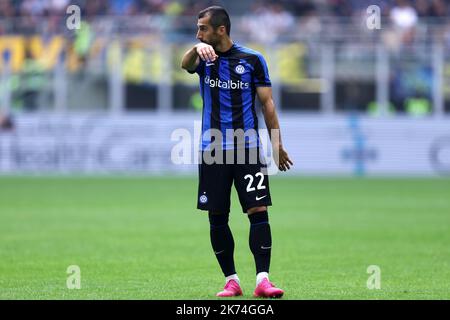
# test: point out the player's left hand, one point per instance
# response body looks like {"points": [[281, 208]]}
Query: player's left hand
{"points": [[284, 162]]}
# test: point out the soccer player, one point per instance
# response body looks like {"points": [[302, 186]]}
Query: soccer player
{"points": [[230, 77]]}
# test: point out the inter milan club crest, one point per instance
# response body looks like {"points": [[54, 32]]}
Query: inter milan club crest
{"points": [[239, 69], [203, 199]]}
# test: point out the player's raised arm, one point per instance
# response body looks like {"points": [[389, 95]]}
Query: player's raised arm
{"points": [[191, 58], [271, 119]]}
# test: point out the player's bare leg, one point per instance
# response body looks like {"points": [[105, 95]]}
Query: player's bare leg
{"points": [[260, 242]]}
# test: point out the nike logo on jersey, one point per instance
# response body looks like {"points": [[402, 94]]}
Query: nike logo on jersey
{"points": [[259, 198], [208, 64]]}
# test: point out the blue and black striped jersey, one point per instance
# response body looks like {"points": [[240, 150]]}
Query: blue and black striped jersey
{"points": [[228, 88]]}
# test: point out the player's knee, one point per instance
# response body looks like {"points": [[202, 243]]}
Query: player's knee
{"points": [[258, 218], [218, 218], [253, 210]]}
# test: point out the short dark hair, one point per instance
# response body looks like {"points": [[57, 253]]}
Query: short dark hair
{"points": [[218, 17]]}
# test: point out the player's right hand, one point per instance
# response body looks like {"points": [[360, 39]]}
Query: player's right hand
{"points": [[206, 52]]}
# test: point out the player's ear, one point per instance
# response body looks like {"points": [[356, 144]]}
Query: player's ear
{"points": [[221, 30]]}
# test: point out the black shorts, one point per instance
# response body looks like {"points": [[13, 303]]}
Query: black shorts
{"points": [[216, 179]]}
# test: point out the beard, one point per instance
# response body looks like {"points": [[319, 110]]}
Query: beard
{"points": [[213, 42]]}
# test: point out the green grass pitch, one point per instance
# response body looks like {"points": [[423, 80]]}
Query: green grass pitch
{"points": [[142, 238]]}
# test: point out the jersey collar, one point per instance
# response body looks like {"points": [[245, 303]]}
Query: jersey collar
{"points": [[228, 52]]}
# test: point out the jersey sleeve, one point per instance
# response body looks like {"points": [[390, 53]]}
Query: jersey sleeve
{"points": [[200, 70], [261, 74]]}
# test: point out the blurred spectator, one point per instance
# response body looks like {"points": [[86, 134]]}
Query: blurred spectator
{"points": [[310, 24], [446, 36], [266, 22], [300, 8], [173, 8], [404, 20], [83, 40], [33, 8], [95, 8], [341, 8], [404, 16], [193, 7], [423, 8], [155, 6], [7, 9], [438, 9], [57, 6], [122, 7], [6, 122], [32, 81]]}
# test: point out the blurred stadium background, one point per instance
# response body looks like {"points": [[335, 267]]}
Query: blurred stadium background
{"points": [[104, 99]]}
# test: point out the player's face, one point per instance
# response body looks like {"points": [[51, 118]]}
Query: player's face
{"points": [[206, 32]]}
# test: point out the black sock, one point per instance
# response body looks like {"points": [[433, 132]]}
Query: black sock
{"points": [[222, 242], [260, 240]]}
